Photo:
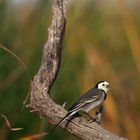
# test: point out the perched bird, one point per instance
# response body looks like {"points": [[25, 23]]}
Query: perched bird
{"points": [[92, 99]]}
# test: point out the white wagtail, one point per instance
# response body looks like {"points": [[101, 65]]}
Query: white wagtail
{"points": [[92, 99]]}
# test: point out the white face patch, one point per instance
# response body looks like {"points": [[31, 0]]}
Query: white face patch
{"points": [[104, 86]]}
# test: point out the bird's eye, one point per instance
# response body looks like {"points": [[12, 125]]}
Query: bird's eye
{"points": [[103, 84]]}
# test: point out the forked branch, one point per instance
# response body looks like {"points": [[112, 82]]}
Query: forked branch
{"points": [[40, 100]]}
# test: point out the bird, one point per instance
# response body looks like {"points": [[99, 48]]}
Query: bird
{"points": [[92, 99]]}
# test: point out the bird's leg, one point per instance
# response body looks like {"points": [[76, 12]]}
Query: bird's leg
{"points": [[99, 114], [91, 118]]}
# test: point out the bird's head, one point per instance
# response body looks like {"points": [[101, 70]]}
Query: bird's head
{"points": [[104, 85]]}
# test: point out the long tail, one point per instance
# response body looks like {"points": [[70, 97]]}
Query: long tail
{"points": [[69, 114]]}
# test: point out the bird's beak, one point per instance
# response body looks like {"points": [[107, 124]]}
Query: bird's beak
{"points": [[109, 87]]}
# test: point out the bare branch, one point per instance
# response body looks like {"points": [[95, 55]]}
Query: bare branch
{"points": [[40, 100]]}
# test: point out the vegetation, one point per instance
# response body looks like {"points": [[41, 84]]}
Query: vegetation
{"points": [[101, 42]]}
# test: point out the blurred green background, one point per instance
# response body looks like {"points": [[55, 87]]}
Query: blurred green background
{"points": [[102, 42]]}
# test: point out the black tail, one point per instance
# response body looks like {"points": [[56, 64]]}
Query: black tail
{"points": [[66, 116]]}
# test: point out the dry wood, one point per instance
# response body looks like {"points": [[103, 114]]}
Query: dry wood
{"points": [[40, 100]]}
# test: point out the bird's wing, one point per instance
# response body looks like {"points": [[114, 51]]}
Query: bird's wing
{"points": [[90, 96], [92, 99], [77, 106]]}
